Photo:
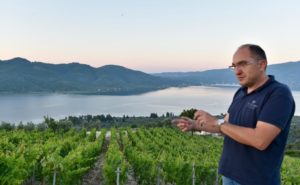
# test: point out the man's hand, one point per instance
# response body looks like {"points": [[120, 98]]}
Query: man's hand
{"points": [[206, 122], [185, 124]]}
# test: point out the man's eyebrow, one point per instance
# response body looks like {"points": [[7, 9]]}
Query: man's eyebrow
{"points": [[239, 62]]}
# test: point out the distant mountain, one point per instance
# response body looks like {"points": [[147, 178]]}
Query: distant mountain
{"points": [[209, 77], [288, 73], [19, 75]]}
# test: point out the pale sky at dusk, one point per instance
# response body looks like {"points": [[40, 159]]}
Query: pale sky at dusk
{"points": [[148, 35]]}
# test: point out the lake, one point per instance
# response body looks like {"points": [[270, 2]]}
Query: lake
{"points": [[33, 107]]}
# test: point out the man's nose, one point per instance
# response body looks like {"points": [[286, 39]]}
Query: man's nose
{"points": [[238, 71]]}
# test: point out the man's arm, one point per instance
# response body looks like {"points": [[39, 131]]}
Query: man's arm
{"points": [[259, 137]]}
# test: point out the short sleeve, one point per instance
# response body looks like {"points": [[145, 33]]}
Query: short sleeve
{"points": [[279, 108]]}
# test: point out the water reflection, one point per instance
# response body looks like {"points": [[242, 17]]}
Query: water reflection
{"points": [[32, 107]]}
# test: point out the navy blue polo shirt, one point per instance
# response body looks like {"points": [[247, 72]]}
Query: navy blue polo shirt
{"points": [[272, 103]]}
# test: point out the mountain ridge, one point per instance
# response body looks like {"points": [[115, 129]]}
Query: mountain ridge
{"points": [[287, 72], [19, 75], [22, 76]]}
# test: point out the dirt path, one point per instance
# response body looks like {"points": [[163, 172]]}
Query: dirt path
{"points": [[94, 176], [130, 177]]}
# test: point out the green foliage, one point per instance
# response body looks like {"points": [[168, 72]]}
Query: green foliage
{"points": [[171, 154], [293, 143], [153, 115], [293, 153], [7, 126], [83, 133], [114, 159], [51, 123], [41, 127], [290, 171], [29, 126], [64, 125], [92, 135], [188, 113], [69, 155], [151, 152]]}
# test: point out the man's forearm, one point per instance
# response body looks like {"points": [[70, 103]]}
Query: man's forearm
{"points": [[259, 137], [240, 134]]}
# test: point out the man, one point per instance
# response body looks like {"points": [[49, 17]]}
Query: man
{"points": [[256, 125]]}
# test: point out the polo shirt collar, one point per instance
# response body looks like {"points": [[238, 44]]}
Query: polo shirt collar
{"points": [[266, 84]]}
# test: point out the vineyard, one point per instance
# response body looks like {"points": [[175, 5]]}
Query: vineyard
{"points": [[129, 156]]}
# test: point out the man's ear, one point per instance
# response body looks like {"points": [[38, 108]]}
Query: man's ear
{"points": [[263, 64]]}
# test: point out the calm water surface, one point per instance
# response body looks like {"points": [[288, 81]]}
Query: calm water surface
{"points": [[32, 107]]}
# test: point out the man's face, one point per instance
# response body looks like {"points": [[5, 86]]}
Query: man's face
{"points": [[247, 69]]}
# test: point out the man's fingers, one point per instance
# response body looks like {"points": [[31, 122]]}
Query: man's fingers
{"points": [[199, 113], [186, 118], [183, 128], [175, 121], [183, 123]]}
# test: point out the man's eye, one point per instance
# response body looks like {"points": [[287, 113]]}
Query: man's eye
{"points": [[243, 63]]}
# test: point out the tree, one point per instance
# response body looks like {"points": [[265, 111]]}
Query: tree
{"points": [[41, 126], [20, 126], [29, 126], [7, 126], [109, 117], [89, 118], [153, 115], [188, 113], [51, 123], [169, 114], [64, 125], [102, 118]]}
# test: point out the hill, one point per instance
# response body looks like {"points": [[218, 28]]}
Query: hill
{"points": [[287, 73], [19, 75]]}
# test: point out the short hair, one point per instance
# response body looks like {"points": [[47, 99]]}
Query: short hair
{"points": [[256, 51]]}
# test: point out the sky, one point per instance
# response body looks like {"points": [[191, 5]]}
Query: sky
{"points": [[148, 35]]}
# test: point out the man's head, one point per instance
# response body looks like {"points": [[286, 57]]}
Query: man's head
{"points": [[256, 51], [249, 64]]}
